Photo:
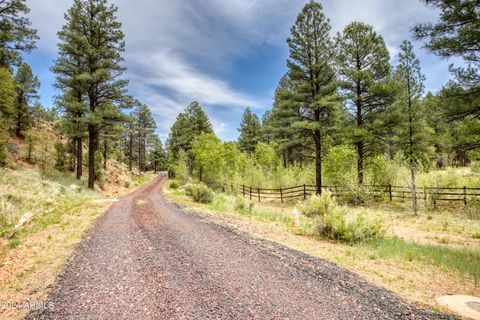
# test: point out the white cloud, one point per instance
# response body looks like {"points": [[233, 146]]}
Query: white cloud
{"points": [[179, 51]]}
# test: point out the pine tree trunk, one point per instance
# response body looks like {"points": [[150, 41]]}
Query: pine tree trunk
{"points": [[79, 155], [318, 162], [105, 153], [360, 154], [130, 152], [92, 148], [414, 189]]}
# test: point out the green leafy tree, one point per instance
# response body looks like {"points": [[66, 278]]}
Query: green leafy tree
{"points": [[412, 131], [364, 68], [92, 42], [189, 124], [313, 76], [7, 95], [26, 87], [16, 33], [208, 152], [250, 131]]}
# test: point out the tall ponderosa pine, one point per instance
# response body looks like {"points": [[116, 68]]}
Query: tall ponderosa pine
{"points": [[145, 126], [412, 130], [26, 87], [457, 34], [364, 67], [92, 44], [16, 33], [250, 132], [73, 122], [312, 73], [285, 112]]}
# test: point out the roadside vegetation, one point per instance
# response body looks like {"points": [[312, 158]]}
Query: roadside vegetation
{"points": [[419, 257]]}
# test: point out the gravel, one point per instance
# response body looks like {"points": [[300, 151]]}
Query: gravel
{"points": [[148, 259]]}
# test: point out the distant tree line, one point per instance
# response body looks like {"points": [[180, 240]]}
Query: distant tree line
{"points": [[90, 109]]}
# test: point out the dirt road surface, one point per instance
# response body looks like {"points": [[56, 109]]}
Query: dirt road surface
{"points": [[148, 259]]}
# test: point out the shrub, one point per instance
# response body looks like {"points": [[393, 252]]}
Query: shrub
{"points": [[317, 205], [174, 184], [243, 204], [334, 222], [354, 227], [199, 192]]}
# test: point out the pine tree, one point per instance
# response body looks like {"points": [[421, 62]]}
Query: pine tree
{"points": [[158, 156], [364, 68], [285, 112], [73, 122], [26, 87], [250, 132], [312, 73], [412, 131], [16, 34], [7, 96], [91, 47], [266, 130], [145, 126], [457, 34]]}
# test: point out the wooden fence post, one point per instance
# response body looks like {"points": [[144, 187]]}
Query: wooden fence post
{"points": [[390, 192], [258, 190], [250, 189], [281, 195], [304, 192], [465, 196]]}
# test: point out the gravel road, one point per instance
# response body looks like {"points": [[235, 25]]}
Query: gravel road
{"points": [[148, 259]]}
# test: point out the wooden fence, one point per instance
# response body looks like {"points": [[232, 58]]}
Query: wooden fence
{"points": [[432, 194]]}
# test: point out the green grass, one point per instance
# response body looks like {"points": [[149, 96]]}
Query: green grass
{"points": [[47, 194], [476, 235], [13, 243], [466, 262]]}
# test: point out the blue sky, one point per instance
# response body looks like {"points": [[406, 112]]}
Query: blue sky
{"points": [[226, 54]]}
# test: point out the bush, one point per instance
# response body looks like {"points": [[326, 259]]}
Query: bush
{"points": [[174, 184], [342, 226], [199, 192], [243, 204], [334, 222], [317, 205]]}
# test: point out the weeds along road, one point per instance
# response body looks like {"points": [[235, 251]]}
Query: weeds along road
{"points": [[147, 259]]}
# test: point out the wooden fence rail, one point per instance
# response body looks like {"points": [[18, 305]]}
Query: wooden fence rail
{"points": [[432, 194]]}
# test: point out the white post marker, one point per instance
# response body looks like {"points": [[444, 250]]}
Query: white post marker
{"points": [[295, 219]]}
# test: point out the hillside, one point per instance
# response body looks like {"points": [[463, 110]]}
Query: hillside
{"points": [[44, 213]]}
